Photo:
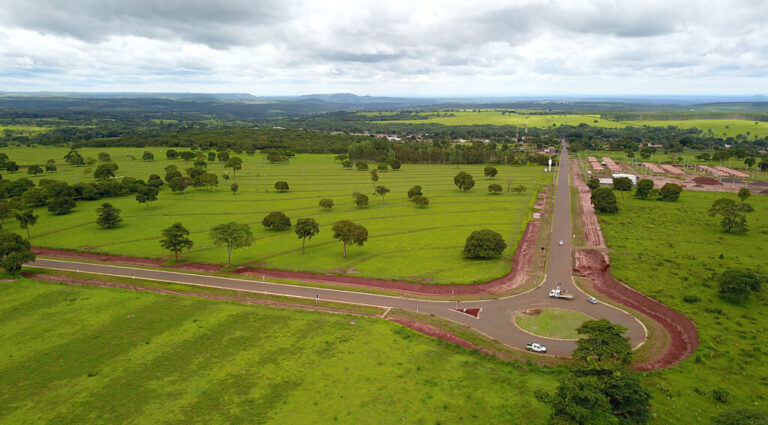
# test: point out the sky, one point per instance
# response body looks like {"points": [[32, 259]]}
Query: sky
{"points": [[386, 48]]}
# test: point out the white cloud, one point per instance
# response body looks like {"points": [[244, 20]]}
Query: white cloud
{"points": [[385, 48]]}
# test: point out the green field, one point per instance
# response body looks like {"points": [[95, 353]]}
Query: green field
{"points": [[404, 242], [106, 356], [719, 127], [21, 130], [552, 322], [670, 250]]}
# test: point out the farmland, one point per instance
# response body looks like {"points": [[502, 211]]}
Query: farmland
{"points": [[718, 127], [420, 244], [96, 355], [670, 250]]}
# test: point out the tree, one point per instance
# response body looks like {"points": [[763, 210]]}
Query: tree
{"points": [[50, 165], [519, 189], [593, 183], [341, 157], [383, 166], [109, 216], [623, 184], [233, 187], [171, 154], [235, 163], [490, 171], [155, 181], [179, 184], [670, 192], [211, 156], [603, 341], [579, 400], [34, 197], [361, 165], [381, 191], [495, 188], [276, 221], [200, 163], [414, 191], [223, 156], [275, 157], [464, 181], [741, 416], [105, 171], [187, 155], [74, 158], [420, 201], [14, 251], [210, 179], [734, 214], [326, 203], [61, 206], [104, 157], [146, 194], [34, 170], [147, 156], [395, 164], [348, 232], [171, 172], [306, 228], [644, 187], [744, 194], [484, 243], [26, 219], [346, 163], [5, 210], [361, 199], [374, 177], [232, 235], [281, 186], [749, 161], [604, 200], [176, 239], [736, 284], [11, 166]]}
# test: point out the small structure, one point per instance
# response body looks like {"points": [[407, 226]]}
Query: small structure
{"points": [[629, 176], [671, 169]]}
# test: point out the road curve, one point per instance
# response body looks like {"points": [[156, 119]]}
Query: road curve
{"points": [[496, 316]]}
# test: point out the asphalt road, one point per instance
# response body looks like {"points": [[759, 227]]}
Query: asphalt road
{"points": [[496, 318]]}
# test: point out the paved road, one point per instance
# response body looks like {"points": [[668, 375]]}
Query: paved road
{"points": [[496, 316]]}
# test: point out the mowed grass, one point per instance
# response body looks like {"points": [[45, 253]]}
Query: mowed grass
{"points": [[552, 322], [719, 127], [670, 250], [106, 356], [404, 242]]}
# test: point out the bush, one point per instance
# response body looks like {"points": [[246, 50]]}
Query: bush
{"points": [[326, 203], [737, 284], [383, 167], [495, 188], [464, 181], [361, 165], [644, 187], [484, 244], [691, 298], [414, 191], [420, 201], [361, 199], [276, 221], [743, 416], [281, 186], [604, 200], [61, 206], [670, 192], [395, 164], [721, 395]]}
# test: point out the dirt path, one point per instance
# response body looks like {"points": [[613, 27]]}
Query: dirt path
{"points": [[593, 263]]}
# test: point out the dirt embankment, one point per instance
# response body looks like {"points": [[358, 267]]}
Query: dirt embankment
{"points": [[683, 335], [438, 333], [120, 259], [594, 264]]}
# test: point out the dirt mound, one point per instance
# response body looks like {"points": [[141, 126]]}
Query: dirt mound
{"points": [[475, 312], [438, 333], [709, 181], [532, 312], [684, 337]]}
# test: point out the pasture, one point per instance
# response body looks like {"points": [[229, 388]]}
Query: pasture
{"points": [[674, 250], [714, 127], [109, 356], [419, 244]]}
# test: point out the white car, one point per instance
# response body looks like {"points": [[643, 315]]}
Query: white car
{"points": [[536, 347], [561, 242], [593, 300]]}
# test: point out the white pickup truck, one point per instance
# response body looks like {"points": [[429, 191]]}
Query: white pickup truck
{"points": [[560, 294], [536, 347]]}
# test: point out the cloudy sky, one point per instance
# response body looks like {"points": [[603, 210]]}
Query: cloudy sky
{"points": [[386, 47]]}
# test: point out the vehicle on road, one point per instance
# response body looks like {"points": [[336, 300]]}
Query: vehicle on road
{"points": [[560, 294], [561, 242], [536, 347], [592, 300]]}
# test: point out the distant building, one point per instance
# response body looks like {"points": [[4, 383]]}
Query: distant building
{"points": [[629, 176]]}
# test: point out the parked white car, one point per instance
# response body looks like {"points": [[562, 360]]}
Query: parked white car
{"points": [[536, 347]]}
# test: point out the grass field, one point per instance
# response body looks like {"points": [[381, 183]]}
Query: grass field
{"points": [[404, 242], [669, 250], [719, 127], [552, 323], [94, 355], [21, 130]]}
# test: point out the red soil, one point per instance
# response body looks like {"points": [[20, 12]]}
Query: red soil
{"points": [[471, 311], [438, 333], [683, 335], [120, 259], [593, 236], [709, 181]]}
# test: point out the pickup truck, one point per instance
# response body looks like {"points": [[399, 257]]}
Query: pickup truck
{"points": [[559, 294], [536, 347]]}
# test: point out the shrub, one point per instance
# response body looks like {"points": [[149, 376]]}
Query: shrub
{"points": [[484, 244], [691, 298], [495, 188], [276, 221], [414, 191], [361, 199], [420, 201], [281, 186], [326, 203], [721, 395]]}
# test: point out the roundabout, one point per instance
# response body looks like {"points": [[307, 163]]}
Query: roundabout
{"points": [[553, 323]]}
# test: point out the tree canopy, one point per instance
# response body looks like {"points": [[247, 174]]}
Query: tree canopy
{"points": [[464, 181], [733, 214], [108, 217], [14, 251], [276, 220], [484, 243], [604, 200], [176, 239], [306, 228], [348, 232], [233, 235]]}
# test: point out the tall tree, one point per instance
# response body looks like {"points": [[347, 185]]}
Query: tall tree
{"points": [[644, 187], [34, 170], [464, 181], [176, 239], [744, 194], [348, 232], [490, 171], [670, 192], [26, 219], [381, 191], [603, 341], [306, 228], [146, 194], [14, 251], [604, 200], [276, 220], [232, 235], [734, 214], [109, 216], [374, 177]]}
